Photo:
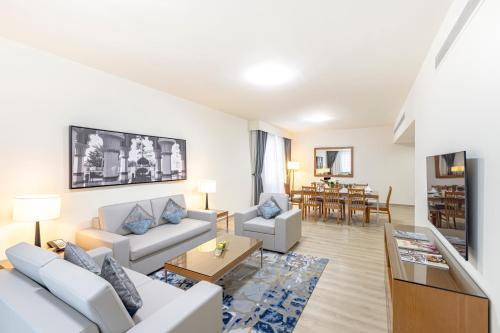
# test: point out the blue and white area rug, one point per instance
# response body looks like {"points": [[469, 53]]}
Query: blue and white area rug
{"points": [[268, 300]]}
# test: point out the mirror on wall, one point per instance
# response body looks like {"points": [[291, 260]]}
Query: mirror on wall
{"points": [[449, 165], [333, 162]]}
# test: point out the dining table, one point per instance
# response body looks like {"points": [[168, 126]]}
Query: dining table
{"points": [[370, 194]]}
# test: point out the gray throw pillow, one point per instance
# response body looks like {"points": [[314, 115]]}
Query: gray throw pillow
{"points": [[137, 214], [113, 272], [77, 256]]}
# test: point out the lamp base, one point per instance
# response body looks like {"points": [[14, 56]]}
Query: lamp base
{"points": [[206, 201], [37, 234]]}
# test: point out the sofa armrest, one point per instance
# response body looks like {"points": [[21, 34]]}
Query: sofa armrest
{"points": [[204, 215], [241, 217], [90, 239], [199, 309], [98, 254], [288, 229]]}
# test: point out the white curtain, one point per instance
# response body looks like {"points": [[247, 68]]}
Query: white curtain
{"points": [[273, 174], [342, 163]]}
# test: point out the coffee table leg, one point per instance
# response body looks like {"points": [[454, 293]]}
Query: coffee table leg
{"points": [[261, 255]]}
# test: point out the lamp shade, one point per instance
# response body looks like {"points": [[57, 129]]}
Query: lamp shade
{"points": [[207, 186], [33, 208], [292, 165]]}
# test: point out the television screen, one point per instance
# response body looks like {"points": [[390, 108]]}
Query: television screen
{"points": [[447, 198], [103, 158]]}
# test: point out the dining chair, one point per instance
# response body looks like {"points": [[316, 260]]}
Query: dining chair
{"points": [[453, 207], [384, 208], [296, 198], [356, 201], [364, 186], [310, 201], [332, 202]]}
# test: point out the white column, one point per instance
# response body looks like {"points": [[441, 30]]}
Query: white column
{"points": [[111, 155], [166, 156]]}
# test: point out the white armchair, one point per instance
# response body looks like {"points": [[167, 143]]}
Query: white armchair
{"points": [[278, 234]]}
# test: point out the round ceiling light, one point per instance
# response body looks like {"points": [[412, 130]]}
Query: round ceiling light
{"points": [[270, 75], [317, 118]]}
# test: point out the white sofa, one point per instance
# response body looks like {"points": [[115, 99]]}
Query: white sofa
{"points": [[46, 294], [278, 234], [148, 253]]}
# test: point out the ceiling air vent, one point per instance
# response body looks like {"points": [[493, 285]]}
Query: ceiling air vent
{"points": [[464, 17]]}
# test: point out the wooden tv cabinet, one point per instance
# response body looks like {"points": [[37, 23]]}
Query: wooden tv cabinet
{"points": [[421, 298]]}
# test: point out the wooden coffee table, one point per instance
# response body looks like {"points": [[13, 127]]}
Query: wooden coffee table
{"points": [[201, 263]]}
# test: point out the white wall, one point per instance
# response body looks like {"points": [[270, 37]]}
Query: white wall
{"points": [[377, 161], [457, 108], [41, 95]]}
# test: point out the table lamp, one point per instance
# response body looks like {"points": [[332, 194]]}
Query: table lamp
{"points": [[36, 208], [207, 186], [292, 166]]}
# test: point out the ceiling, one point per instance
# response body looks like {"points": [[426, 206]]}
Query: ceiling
{"points": [[356, 59]]}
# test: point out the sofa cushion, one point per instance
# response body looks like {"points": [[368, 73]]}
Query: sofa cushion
{"points": [[124, 287], [158, 206], [164, 236], [155, 295], [138, 279], [111, 217], [28, 259], [261, 225], [281, 199], [76, 255], [87, 293], [25, 306]]}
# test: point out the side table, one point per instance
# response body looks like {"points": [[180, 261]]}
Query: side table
{"points": [[222, 214]]}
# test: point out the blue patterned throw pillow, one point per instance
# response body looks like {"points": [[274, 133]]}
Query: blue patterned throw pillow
{"points": [[138, 227], [135, 220], [77, 256], [173, 212], [113, 272], [269, 209]]}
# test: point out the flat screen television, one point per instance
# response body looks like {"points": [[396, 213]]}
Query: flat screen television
{"points": [[447, 198]]}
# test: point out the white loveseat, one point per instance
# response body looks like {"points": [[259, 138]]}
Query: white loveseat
{"points": [[46, 294], [149, 252], [278, 234]]}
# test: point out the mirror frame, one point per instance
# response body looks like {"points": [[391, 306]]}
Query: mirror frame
{"points": [[351, 175]]}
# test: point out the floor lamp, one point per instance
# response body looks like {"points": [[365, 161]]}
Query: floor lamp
{"points": [[292, 166]]}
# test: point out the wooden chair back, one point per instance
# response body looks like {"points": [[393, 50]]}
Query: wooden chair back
{"points": [[356, 198], [332, 197], [309, 196], [454, 203], [388, 201]]}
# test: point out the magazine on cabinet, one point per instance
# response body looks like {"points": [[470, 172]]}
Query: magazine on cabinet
{"points": [[423, 258], [422, 246], [409, 235]]}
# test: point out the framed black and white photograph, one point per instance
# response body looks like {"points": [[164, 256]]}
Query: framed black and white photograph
{"points": [[104, 158]]}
